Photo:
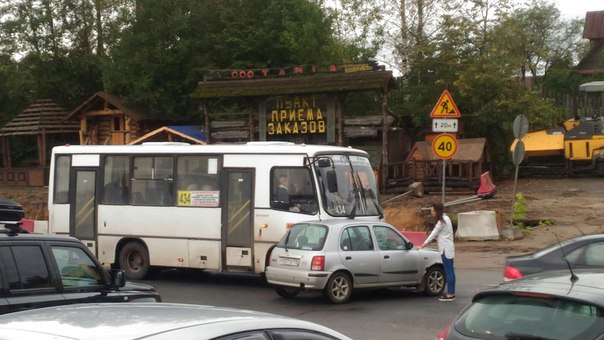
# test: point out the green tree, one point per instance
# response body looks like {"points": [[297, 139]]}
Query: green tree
{"points": [[541, 39], [162, 56]]}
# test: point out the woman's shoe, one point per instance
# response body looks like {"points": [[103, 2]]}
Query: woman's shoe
{"points": [[447, 297]]}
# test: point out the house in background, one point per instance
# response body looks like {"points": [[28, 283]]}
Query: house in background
{"points": [[192, 134], [593, 62], [104, 119], [42, 126], [463, 170]]}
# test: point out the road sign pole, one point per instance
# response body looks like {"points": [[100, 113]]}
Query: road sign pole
{"points": [[514, 196], [443, 189]]}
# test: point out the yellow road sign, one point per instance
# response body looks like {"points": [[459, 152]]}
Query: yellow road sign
{"points": [[444, 146], [445, 107]]}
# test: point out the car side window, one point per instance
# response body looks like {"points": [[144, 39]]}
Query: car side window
{"points": [[25, 267], [356, 238], [388, 239], [76, 267], [589, 255]]}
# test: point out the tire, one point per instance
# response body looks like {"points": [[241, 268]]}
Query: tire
{"points": [[287, 292], [338, 288], [434, 281], [134, 260]]}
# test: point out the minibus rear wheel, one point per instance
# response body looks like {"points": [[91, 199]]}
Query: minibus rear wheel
{"points": [[134, 260]]}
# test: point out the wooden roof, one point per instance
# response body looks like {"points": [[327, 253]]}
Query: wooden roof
{"points": [[594, 25], [295, 85], [192, 134], [42, 116], [468, 149], [102, 101]]}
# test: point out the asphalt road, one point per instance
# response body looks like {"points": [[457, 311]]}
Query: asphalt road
{"points": [[383, 314]]}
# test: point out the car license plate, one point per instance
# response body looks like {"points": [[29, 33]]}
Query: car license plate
{"points": [[289, 261]]}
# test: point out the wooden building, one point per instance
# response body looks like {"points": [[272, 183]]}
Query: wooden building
{"points": [[302, 104], [463, 170], [192, 134], [105, 120], [40, 124]]}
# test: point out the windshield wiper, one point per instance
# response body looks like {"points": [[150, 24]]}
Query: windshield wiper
{"points": [[287, 239]]}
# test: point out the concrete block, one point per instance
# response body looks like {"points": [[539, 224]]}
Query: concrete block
{"points": [[478, 225]]}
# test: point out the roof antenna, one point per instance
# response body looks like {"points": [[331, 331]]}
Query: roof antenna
{"points": [[573, 277]]}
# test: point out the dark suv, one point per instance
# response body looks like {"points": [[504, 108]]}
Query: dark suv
{"points": [[39, 270]]}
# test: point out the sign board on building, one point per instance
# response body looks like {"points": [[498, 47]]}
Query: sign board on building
{"points": [[295, 115]]}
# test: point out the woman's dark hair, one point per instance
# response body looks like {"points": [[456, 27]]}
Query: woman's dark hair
{"points": [[439, 208]]}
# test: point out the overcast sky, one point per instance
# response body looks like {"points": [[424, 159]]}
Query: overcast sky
{"points": [[577, 8]]}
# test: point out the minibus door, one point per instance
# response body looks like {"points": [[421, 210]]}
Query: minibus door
{"points": [[82, 219], [237, 224]]}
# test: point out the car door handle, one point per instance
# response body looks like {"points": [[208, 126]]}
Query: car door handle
{"points": [[348, 257], [386, 256]]}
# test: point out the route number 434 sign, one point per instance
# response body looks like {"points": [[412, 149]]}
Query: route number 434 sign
{"points": [[444, 146]]}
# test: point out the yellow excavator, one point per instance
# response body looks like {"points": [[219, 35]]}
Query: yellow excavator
{"points": [[573, 148]]}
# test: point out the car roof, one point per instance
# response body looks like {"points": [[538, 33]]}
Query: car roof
{"points": [[588, 286], [341, 223], [140, 320], [5, 236]]}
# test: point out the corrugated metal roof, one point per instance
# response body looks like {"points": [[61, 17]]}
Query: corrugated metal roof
{"points": [[468, 149], [594, 25], [42, 116]]}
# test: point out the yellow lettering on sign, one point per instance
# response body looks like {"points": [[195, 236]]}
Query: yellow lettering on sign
{"points": [[295, 115]]}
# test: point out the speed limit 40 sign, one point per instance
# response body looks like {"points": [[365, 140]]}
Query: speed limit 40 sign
{"points": [[444, 146]]}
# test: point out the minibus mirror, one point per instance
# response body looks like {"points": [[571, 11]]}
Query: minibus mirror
{"points": [[332, 181], [324, 163]]}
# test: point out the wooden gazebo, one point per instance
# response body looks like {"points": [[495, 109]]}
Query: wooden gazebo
{"points": [[44, 120], [104, 119]]}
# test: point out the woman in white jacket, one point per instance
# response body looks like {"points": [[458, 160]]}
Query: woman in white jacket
{"points": [[443, 233]]}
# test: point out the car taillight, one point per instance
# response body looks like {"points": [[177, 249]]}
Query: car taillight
{"points": [[318, 263], [443, 334], [511, 273]]}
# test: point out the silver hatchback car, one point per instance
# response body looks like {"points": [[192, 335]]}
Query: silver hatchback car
{"points": [[337, 256], [157, 321]]}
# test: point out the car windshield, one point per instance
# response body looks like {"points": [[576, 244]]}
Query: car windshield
{"points": [[531, 315], [304, 236], [347, 183]]}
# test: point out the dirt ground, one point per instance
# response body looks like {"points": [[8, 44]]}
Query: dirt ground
{"points": [[573, 205]]}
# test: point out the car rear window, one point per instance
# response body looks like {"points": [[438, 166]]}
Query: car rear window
{"points": [[501, 316], [305, 237]]}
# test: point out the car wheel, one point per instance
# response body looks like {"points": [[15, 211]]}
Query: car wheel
{"points": [[339, 288], [434, 281], [287, 292], [134, 260]]}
